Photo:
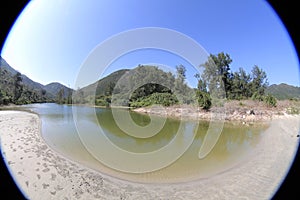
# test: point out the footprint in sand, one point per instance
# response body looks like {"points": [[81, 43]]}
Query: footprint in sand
{"points": [[53, 176], [45, 185], [10, 162], [20, 173], [58, 188], [46, 170]]}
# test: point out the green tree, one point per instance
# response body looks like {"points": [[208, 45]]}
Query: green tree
{"points": [[270, 100], [2, 95], [203, 97], [18, 86], [180, 79], [69, 97], [60, 96], [81, 96], [217, 73], [202, 86], [259, 83], [240, 85], [204, 100], [182, 91]]}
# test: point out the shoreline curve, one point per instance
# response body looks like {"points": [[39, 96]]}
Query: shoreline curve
{"points": [[41, 171]]}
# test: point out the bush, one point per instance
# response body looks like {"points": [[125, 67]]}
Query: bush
{"points": [[257, 96], [103, 101], [270, 100], [293, 111], [165, 99], [204, 100]]}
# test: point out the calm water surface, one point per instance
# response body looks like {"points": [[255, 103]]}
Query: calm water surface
{"points": [[59, 131]]}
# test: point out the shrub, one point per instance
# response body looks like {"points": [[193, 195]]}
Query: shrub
{"points": [[270, 100], [293, 111], [165, 99], [257, 96], [204, 100]]}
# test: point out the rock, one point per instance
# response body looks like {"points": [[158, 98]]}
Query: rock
{"points": [[250, 112]]}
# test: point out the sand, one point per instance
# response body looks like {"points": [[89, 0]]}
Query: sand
{"points": [[42, 173]]}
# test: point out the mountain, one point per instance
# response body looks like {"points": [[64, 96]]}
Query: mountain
{"points": [[131, 87], [54, 88], [104, 84], [27, 81], [6, 66], [284, 91], [31, 92]]}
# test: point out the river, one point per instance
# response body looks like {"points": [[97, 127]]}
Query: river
{"points": [[86, 136]]}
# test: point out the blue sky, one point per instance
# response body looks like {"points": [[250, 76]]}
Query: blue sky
{"points": [[51, 39]]}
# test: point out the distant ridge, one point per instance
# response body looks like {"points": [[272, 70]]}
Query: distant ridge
{"points": [[103, 84], [280, 91], [55, 87], [51, 88], [284, 91]]}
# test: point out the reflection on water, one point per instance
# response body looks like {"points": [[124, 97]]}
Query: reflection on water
{"points": [[59, 131]]}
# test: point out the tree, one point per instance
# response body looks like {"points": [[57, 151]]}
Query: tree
{"points": [[270, 100], [69, 100], [182, 91], [18, 86], [204, 100], [202, 86], [60, 96], [1, 97], [217, 73], [240, 85], [81, 96], [259, 83], [203, 97], [180, 79]]}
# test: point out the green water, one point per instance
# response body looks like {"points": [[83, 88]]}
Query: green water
{"points": [[60, 131]]}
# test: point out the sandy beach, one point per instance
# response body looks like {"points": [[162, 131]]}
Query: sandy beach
{"points": [[42, 173]]}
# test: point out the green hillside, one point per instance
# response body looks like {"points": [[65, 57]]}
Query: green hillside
{"points": [[105, 84], [17, 88], [284, 91], [54, 88], [14, 90], [141, 86]]}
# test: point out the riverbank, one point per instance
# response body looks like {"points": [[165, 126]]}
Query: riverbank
{"points": [[246, 111], [42, 172]]}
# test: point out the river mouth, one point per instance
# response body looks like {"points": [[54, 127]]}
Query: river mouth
{"points": [[59, 130]]}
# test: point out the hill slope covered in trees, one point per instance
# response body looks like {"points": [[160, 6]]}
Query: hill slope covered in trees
{"points": [[284, 91], [17, 88], [147, 85]]}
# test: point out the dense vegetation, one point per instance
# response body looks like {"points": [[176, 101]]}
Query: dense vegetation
{"points": [[219, 81], [12, 90], [16, 88], [147, 85], [100, 92], [142, 86], [284, 91]]}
